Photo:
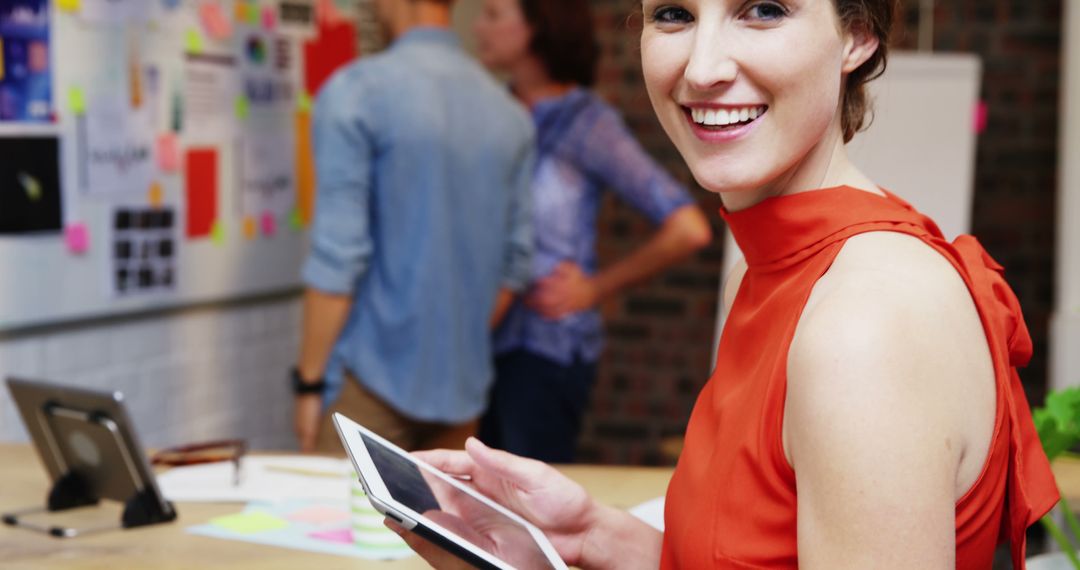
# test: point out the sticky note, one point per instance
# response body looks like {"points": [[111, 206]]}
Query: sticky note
{"points": [[214, 21], [251, 229], [341, 535], [193, 41], [982, 115], [250, 522], [168, 153], [303, 102], [243, 107], [76, 101], [296, 220], [252, 15], [217, 233], [201, 190], [77, 238], [240, 11], [69, 5], [156, 195], [269, 18], [305, 168], [319, 514], [268, 223], [1, 59]]}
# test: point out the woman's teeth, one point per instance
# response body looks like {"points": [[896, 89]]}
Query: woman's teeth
{"points": [[726, 117]]}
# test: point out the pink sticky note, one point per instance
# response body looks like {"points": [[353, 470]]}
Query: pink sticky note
{"points": [[319, 515], [982, 117], [214, 21], [342, 535], [268, 223], [77, 238], [269, 18], [168, 153]]}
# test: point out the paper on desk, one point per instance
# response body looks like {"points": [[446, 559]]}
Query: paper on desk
{"points": [[652, 512], [281, 524], [268, 479]]}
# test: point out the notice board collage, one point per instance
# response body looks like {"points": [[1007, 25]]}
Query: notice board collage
{"points": [[156, 153]]}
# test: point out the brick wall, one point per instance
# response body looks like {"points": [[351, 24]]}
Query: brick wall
{"points": [[660, 334]]}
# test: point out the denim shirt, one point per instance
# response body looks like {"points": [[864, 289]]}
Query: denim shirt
{"points": [[583, 149], [423, 164]]}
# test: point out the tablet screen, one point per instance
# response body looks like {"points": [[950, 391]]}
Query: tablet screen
{"points": [[450, 507]]}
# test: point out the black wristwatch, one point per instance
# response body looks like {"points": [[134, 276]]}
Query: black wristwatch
{"points": [[302, 388]]}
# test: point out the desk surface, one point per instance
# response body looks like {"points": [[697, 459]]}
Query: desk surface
{"points": [[23, 483]]}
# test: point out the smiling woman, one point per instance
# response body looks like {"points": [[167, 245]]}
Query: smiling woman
{"points": [[865, 409]]}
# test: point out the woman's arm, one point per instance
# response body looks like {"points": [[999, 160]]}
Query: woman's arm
{"points": [[568, 289], [889, 409]]}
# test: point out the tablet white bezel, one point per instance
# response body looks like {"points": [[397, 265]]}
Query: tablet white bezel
{"points": [[382, 500]]}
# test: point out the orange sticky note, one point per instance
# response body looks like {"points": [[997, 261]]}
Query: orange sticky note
{"points": [[156, 195], [214, 21], [305, 169], [251, 229], [168, 153]]}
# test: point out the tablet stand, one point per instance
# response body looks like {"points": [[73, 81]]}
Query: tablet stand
{"points": [[73, 490]]}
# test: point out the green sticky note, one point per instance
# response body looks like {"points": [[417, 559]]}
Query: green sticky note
{"points": [[296, 221], [253, 13], [303, 102], [250, 522], [76, 101], [217, 233], [242, 107], [193, 41]]}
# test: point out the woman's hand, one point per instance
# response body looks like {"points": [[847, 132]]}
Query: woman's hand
{"points": [[566, 290], [548, 499]]}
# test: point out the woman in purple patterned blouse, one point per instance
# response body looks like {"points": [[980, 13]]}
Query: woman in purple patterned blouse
{"points": [[550, 340]]}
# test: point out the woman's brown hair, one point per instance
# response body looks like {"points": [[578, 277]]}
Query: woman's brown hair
{"points": [[564, 39], [873, 17]]}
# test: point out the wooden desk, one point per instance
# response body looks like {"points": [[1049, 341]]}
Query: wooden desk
{"points": [[23, 483], [1067, 473]]}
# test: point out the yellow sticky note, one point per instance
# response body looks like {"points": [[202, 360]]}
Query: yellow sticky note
{"points": [[69, 5], [1, 60], [193, 41], [156, 195], [303, 102], [243, 108], [250, 522], [296, 220], [217, 233], [251, 230], [240, 11], [76, 101]]}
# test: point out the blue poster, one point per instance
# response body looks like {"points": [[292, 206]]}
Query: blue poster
{"points": [[25, 69]]}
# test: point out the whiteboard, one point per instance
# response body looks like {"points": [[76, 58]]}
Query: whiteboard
{"points": [[44, 281], [920, 146]]}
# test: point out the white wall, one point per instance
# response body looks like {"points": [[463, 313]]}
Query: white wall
{"points": [[192, 375], [1065, 324]]}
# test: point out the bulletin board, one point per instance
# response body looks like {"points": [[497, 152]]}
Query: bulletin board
{"points": [[157, 153]]}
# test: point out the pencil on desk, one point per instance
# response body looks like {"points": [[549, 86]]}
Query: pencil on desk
{"points": [[303, 471]]}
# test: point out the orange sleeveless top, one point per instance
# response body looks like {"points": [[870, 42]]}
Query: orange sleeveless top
{"points": [[732, 501]]}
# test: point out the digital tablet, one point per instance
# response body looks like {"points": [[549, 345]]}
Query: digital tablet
{"points": [[439, 507]]}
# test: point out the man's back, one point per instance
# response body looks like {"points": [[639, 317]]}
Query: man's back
{"points": [[423, 161]]}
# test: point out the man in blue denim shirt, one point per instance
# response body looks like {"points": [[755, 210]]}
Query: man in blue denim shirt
{"points": [[421, 236]]}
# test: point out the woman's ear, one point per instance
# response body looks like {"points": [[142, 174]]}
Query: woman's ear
{"points": [[859, 46]]}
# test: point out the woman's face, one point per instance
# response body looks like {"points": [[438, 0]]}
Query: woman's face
{"points": [[748, 90], [502, 34]]}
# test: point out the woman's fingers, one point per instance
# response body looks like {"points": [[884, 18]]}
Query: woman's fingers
{"points": [[522, 472]]}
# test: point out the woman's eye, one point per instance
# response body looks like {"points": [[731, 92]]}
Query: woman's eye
{"points": [[766, 11], [671, 15]]}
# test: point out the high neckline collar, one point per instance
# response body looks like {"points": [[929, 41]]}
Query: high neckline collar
{"points": [[780, 228]]}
